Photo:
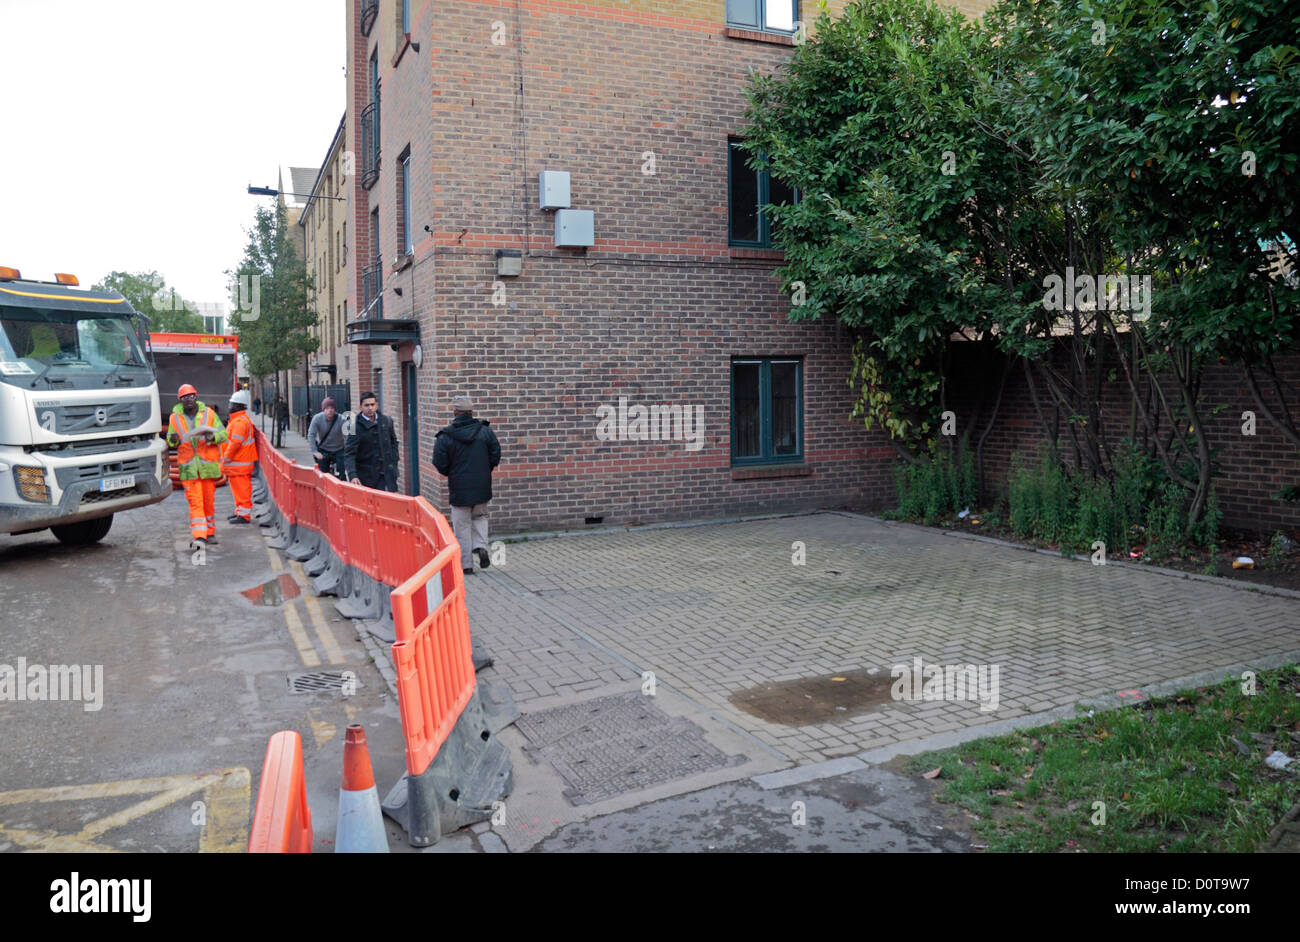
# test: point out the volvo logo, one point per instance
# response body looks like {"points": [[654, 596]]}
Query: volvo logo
{"points": [[101, 416]]}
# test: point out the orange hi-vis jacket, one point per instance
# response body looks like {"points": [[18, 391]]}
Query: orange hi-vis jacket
{"points": [[197, 459], [241, 451]]}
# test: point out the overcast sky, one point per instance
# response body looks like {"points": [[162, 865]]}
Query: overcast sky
{"points": [[132, 129]]}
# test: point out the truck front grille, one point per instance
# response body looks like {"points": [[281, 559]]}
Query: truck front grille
{"points": [[80, 418]]}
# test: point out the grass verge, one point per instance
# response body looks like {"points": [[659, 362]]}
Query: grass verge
{"points": [[1184, 773]]}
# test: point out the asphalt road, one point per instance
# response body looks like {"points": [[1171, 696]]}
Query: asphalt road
{"points": [[165, 753]]}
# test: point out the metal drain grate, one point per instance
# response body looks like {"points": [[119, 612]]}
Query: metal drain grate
{"points": [[613, 745], [324, 680]]}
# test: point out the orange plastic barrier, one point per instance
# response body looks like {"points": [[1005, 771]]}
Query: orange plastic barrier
{"points": [[402, 541], [334, 496], [432, 657], [282, 820], [275, 467], [306, 485], [395, 524], [435, 536], [358, 518]]}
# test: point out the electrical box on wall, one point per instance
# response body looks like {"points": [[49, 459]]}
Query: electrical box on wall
{"points": [[575, 227], [553, 189]]}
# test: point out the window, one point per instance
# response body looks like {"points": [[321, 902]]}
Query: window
{"points": [[777, 16], [748, 191], [766, 411], [372, 305], [370, 128], [404, 202], [345, 243]]}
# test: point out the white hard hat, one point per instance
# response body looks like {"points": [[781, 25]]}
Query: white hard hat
{"points": [[241, 398]]}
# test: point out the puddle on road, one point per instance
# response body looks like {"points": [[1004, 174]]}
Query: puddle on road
{"points": [[811, 700], [275, 592]]}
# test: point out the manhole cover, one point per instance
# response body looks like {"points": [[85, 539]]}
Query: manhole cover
{"points": [[324, 680], [811, 700], [613, 745]]}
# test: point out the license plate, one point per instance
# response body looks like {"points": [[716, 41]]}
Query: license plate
{"points": [[117, 483]]}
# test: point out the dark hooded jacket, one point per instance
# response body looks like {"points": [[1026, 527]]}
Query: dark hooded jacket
{"points": [[466, 451]]}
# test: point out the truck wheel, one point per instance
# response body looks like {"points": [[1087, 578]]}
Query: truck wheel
{"points": [[84, 533]]}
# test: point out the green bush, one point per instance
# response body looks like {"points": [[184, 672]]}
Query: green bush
{"points": [[1140, 503], [935, 488]]}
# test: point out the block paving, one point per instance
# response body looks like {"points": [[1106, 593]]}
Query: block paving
{"points": [[718, 608]]}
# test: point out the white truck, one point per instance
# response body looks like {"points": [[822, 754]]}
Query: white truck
{"points": [[79, 413]]}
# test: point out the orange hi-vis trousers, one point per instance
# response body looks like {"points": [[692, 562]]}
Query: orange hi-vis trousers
{"points": [[241, 489], [201, 495]]}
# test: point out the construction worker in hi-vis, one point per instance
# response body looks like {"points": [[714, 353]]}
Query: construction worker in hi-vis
{"points": [[238, 458], [195, 432]]}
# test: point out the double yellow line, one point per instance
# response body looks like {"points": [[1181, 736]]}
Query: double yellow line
{"points": [[301, 640]]}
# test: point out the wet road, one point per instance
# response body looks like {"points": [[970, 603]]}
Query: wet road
{"points": [[180, 679]]}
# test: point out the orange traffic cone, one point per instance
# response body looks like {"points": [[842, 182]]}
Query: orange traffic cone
{"points": [[361, 823]]}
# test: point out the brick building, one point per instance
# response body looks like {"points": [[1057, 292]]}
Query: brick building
{"points": [[456, 110], [324, 229]]}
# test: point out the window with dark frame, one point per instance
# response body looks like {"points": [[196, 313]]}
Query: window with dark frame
{"points": [[404, 201], [748, 191], [766, 410], [773, 16]]}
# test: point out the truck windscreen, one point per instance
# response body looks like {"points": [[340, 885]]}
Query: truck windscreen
{"points": [[70, 349]]}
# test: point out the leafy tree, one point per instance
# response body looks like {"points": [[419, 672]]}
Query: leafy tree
{"points": [[270, 299], [149, 294], [1176, 124], [948, 169], [905, 230]]}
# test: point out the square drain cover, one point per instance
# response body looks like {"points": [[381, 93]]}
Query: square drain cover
{"points": [[618, 744]]}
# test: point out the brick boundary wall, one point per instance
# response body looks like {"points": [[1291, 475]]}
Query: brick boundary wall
{"points": [[1249, 469]]}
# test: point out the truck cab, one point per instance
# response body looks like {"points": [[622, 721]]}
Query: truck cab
{"points": [[79, 410]]}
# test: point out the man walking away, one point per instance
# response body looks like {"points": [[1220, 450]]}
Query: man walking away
{"points": [[325, 435], [370, 447], [239, 458], [195, 432], [466, 451]]}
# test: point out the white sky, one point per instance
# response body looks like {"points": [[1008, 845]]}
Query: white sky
{"points": [[131, 129]]}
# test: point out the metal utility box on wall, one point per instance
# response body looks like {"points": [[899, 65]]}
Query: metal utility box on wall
{"points": [[553, 189], [575, 227]]}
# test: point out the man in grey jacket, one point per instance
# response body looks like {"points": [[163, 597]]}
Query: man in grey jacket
{"points": [[326, 437]]}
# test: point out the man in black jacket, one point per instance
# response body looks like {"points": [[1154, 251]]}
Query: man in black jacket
{"points": [[466, 451], [370, 449]]}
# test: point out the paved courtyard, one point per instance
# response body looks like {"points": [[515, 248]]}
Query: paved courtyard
{"points": [[723, 615]]}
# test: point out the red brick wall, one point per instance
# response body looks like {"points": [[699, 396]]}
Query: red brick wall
{"points": [[1249, 468], [654, 312]]}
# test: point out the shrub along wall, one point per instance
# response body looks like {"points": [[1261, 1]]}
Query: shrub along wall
{"points": [[1249, 469]]}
